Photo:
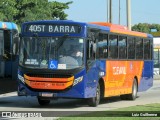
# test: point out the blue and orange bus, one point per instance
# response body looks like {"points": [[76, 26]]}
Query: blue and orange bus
{"points": [[9, 41], [67, 59]]}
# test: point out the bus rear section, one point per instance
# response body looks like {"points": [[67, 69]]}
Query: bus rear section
{"points": [[126, 78], [67, 59]]}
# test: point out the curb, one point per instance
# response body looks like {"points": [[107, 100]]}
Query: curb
{"points": [[156, 77]]}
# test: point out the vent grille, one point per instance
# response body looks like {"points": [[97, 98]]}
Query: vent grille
{"points": [[49, 75]]}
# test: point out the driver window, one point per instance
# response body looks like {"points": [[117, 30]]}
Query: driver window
{"points": [[90, 50], [15, 42]]}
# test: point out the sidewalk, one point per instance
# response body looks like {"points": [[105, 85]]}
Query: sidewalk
{"points": [[9, 94], [156, 77]]}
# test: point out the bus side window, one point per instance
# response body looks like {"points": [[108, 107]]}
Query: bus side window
{"points": [[139, 48], [147, 49], [103, 46], [1, 43], [122, 44], [151, 49], [131, 48], [90, 50], [113, 47], [7, 44], [15, 46], [91, 45]]}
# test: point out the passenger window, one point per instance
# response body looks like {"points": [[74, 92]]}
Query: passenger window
{"points": [[131, 48], [122, 43], [103, 46], [113, 47], [147, 49], [139, 48]]}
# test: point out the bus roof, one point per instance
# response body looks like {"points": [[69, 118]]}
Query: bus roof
{"points": [[53, 21], [105, 28], [8, 25], [65, 22], [122, 29]]}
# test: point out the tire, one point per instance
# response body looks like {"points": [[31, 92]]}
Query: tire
{"points": [[133, 95], [93, 102], [43, 102]]}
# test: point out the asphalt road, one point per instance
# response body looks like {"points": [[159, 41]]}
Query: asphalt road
{"points": [[12, 102]]}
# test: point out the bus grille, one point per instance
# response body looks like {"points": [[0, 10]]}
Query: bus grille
{"points": [[49, 75]]}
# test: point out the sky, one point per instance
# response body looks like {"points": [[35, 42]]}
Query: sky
{"points": [[142, 11]]}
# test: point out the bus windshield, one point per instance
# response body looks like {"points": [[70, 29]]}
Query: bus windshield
{"points": [[51, 52]]}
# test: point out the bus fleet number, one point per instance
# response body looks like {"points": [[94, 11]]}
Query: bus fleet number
{"points": [[37, 28]]}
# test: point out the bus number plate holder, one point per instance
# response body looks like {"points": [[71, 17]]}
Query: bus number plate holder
{"points": [[48, 95]]}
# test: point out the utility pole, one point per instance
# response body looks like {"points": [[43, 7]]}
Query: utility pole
{"points": [[107, 10], [128, 14], [110, 11], [119, 12]]}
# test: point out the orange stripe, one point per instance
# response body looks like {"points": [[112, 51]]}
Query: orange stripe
{"points": [[47, 79], [120, 29], [48, 83]]}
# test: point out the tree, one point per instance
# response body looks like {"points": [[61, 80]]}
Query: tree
{"points": [[141, 27], [20, 11], [7, 10], [145, 27]]}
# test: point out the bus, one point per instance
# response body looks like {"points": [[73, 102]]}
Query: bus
{"points": [[109, 61], [9, 40]]}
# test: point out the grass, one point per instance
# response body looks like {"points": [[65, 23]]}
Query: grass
{"points": [[127, 113]]}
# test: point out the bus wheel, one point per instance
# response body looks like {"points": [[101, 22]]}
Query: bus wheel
{"points": [[133, 95], [95, 100], [43, 102]]}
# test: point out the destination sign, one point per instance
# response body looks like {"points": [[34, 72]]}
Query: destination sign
{"points": [[53, 28]]}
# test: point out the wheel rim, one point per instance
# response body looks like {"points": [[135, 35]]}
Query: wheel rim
{"points": [[134, 89], [97, 95]]}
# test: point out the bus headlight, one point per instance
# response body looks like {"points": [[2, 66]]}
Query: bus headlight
{"points": [[21, 78], [77, 80]]}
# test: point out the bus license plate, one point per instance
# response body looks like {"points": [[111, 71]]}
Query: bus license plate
{"points": [[47, 94]]}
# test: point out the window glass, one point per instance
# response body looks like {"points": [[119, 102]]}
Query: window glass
{"points": [[1, 43], [131, 48], [139, 48], [151, 49], [7, 44], [15, 42], [147, 49], [43, 52], [103, 46], [113, 46], [122, 47]]}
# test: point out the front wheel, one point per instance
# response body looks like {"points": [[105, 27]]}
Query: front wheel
{"points": [[95, 100], [43, 102]]}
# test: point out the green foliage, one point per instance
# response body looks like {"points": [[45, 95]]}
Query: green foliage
{"points": [[20, 11], [57, 10], [145, 27], [141, 27]]}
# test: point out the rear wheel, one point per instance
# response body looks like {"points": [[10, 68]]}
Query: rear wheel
{"points": [[43, 102], [133, 95], [95, 100]]}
